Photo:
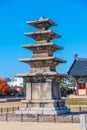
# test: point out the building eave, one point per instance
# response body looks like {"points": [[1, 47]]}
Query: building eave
{"points": [[69, 71]]}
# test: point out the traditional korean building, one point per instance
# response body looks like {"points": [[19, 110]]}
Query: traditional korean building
{"points": [[43, 94], [79, 70]]}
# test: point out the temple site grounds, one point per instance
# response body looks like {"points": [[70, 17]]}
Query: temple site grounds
{"points": [[43, 108], [34, 125]]}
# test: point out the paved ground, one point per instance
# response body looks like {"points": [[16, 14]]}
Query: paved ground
{"points": [[38, 126], [9, 104], [77, 96]]}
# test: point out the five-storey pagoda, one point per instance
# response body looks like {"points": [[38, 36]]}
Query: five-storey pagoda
{"points": [[43, 94]]}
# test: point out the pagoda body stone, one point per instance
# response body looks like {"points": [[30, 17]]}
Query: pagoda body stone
{"points": [[43, 95]]}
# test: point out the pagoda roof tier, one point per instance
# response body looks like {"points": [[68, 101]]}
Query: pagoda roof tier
{"points": [[41, 35], [29, 60], [35, 46], [42, 22], [51, 73]]}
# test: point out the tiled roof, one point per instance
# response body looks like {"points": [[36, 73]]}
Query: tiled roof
{"points": [[79, 67]]}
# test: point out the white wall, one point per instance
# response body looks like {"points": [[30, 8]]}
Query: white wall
{"points": [[16, 82]]}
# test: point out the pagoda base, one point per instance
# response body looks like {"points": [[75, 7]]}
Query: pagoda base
{"points": [[45, 111], [46, 107]]}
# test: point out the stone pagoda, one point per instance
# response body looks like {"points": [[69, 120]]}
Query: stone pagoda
{"points": [[43, 94]]}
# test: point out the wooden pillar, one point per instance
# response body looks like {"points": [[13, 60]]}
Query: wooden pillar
{"points": [[77, 89], [86, 87]]}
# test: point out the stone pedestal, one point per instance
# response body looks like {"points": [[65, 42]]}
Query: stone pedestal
{"points": [[49, 107], [43, 98]]}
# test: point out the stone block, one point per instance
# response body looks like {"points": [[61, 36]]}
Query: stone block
{"points": [[82, 122]]}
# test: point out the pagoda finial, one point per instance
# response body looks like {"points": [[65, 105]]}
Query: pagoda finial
{"points": [[41, 18]]}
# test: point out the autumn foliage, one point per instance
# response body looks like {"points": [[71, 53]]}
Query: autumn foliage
{"points": [[4, 88]]}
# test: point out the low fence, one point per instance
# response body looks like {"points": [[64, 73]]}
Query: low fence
{"points": [[9, 117], [78, 108], [9, 109]]}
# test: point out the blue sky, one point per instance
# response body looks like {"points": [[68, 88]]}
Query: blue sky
{"points": [[70, 15]]}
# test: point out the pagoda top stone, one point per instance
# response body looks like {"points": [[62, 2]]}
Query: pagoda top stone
{"points": [[42, 23], [41, 18]]}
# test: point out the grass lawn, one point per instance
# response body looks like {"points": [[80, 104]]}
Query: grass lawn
{"points": [[76, 101]]}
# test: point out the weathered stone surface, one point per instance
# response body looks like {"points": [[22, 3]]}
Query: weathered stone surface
{"points": [[28, 91]]}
